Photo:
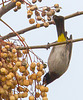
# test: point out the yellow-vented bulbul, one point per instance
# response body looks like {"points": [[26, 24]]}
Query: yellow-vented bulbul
{"points": [[60, 55]]}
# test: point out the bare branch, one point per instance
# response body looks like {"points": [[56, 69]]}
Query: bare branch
{"points": [[74, 14], [50, 44], [34, 26], [6, 8], [12, 34]]}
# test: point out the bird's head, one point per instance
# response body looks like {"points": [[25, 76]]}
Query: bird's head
{"points": [[46, 79], [50, 77]]}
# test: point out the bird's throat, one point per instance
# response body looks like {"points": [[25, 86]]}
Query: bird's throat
{"points": [[61, 38]]}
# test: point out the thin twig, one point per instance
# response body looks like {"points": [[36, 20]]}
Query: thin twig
{"points": [[12, 34], [50, 44]]}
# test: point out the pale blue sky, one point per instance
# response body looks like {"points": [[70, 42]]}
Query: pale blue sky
{"points": [[70, 85]]}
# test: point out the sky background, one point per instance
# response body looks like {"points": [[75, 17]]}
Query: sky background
{"points": [[70, 85]]}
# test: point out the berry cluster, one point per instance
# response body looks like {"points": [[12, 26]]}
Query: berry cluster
{"points": [[18, 78], [36, 14], [43, 14]]}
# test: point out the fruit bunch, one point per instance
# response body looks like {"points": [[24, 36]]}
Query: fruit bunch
{"points": [[37, 14], [18, 77], [43, 14]]}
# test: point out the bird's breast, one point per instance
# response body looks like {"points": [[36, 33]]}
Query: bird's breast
{"points": [[58, 59]]}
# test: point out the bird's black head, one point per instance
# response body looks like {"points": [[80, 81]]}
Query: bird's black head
{"points": [[50, 77], [58, 18], [46, 79]]}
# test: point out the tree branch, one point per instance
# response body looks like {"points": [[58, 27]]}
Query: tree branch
{"points": [[34, 26], [6, 8], [50, 44], [74, 14], [12, 34]]}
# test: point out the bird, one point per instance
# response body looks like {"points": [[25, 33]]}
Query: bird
{"points": [[59, 58]]}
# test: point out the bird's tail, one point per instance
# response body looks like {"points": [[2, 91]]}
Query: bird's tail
{"points": [[59, 21]]}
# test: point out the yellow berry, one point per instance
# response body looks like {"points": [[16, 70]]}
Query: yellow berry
{"points": [[43, 94], [3, 79], [49, 13], [45, 98], [37, 94], [5, 87], [31, 97], [46, 89], [12, 75], [26, 82], [34, 76], [37, 25], [7, 46], [18, 63], [46, 24], [38, 64], [33, 65], [4, 55], [40, 68], [25, 94], [22, 69], [39, 18], [29, 11], [2, 90], [12, 98], [24, 51], [56, 5], [39, 73], [30, 81], [16, 96], [3, 70], [9, 76], [38, 79], [18, 4], [42, 88], [13, 50], [9, 83], [31, 21], [10, 66], [4, 50]]}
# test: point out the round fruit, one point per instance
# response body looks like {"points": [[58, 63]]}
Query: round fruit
{"points": [[37, 25], [45, 98], [33, 65], [42, 88], [39, 73], [26, 82], [34, 76], [12, 98], [18, 4], [31, 97], [56, 5], [46, 24], [31, 21]]}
